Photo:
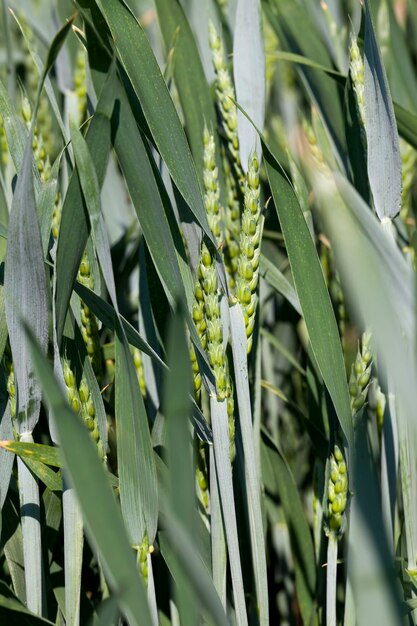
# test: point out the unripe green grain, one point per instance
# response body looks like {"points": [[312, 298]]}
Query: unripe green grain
{"points": [[81, 402], [10, 383], [356, 69], [225, 98], [3, 144], [248, 263], [143, 550], [40, 153], [80, 85], [201, 477], [337, 490], [360, 375], [89, 324], [140, 372]]}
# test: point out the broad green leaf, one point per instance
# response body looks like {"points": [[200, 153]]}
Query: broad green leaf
{"points": [[312, 292], [139, 61], [279, 481], [249, 76], [146, 191], [383, 152], [95, 498]]}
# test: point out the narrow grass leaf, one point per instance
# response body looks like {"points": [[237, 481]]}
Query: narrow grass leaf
{"points": [[176, 409], [174, 540], [283, 55], [380, 285], [48, 477], [252, 478], [384, 159], [12, 611], [312, 292], [301, 36], [279, 481], [249, 76], [74, 217], [96, 500], [107, 315], [36, 451], [137, 472], [138, 60], [370, 568], [43, 69], [397, 57], [280, 347], [407, 124], [146, 189], [396, 276], [279, 282], [91, 192], [193, 90], [16, 133]]}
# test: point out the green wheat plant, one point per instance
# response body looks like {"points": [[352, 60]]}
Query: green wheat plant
{"points": [[207, 313]]}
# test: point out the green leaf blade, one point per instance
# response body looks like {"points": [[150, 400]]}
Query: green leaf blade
{"points": [[312, 292]]}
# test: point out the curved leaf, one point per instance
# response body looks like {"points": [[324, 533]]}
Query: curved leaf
{"points": [[95, 498], [145, 76], [312, 292]]}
